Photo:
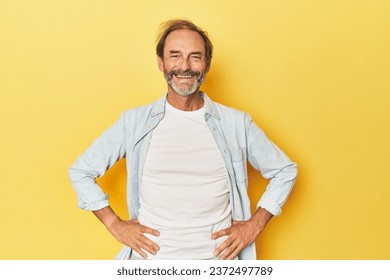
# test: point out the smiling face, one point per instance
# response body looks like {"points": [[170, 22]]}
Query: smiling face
{"points": [[184, 62]]}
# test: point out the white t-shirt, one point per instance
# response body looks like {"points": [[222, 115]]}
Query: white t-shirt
{"points": [[184, 191]]}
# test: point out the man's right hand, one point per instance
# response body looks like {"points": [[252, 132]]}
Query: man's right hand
{"points": [[130, 233]]}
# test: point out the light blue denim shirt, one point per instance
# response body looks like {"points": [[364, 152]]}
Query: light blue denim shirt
{"points": [[237, 136]]}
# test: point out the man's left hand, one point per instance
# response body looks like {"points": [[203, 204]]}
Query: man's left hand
{"points": [[241, 234]]}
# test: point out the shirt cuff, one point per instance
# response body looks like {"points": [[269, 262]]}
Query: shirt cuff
{"points": [[95, 205], [270, 206]]}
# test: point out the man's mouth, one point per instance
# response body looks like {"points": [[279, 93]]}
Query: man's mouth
{"points": [[188, 74], [184, 76]]}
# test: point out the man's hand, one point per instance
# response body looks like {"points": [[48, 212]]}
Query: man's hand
{"points": [[241, 234], [130, 233]]}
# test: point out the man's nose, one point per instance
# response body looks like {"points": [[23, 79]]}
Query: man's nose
{"points": [[185, 64]]}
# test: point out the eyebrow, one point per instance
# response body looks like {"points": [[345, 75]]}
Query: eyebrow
{"points": [[192, 53]]}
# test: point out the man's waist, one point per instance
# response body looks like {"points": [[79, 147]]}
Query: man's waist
{"points": [[189, 242]]}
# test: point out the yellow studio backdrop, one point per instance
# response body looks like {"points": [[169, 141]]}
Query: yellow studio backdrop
{"points": [[313, 74]]}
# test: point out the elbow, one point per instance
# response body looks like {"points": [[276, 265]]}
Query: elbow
{"points": [[290, 172], [73, 174], [295, 169]]}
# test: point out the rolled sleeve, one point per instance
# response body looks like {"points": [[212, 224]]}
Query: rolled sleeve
{"points": [[270, 206], [278, 190], [273, 164], [94, 162]]}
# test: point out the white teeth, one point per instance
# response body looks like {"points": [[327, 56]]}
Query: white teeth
{"points": [[183, 77]]}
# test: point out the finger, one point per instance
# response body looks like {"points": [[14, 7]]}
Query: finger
{"points": [[223, 246], [148, 249], [227, 251], [149, 230], [143, 239], [231, 251], [234, 254], [220, 233], [139, 251]]}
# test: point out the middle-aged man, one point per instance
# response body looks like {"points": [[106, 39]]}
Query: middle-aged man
{"points": [[186, 159]]}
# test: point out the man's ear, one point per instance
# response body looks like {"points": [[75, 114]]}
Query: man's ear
{"points": [[160, 64]]}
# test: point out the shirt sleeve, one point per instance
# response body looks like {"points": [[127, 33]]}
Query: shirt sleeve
{"points": [[273, 164], [104, 152]]}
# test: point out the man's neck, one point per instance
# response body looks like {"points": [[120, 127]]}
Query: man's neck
{"points": [[191, 102]]}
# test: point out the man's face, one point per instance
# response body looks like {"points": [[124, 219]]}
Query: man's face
{"points": [[184, 61]]}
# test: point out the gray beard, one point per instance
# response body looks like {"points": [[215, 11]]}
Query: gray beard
{"points": [[184, 91]]}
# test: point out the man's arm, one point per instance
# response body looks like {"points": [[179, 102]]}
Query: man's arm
{"points": [[241, 234], [104, 152], [130, 233], [273, 164]]}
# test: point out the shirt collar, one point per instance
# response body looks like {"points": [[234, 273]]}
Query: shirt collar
{"points": [[210, 108]]}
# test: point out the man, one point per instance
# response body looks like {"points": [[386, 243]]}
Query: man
{"points": [[186, 161]]}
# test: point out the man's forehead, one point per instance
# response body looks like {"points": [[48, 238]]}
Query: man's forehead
{"points": [[184, 39]]}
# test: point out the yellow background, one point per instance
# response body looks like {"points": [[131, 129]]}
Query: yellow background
{"points": [[313, 74]]}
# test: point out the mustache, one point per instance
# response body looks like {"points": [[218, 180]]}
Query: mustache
{"points": [[182, 73]]}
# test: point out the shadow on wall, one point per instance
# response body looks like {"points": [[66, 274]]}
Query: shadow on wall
{"points": [[212, 84], [114, 184]]}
